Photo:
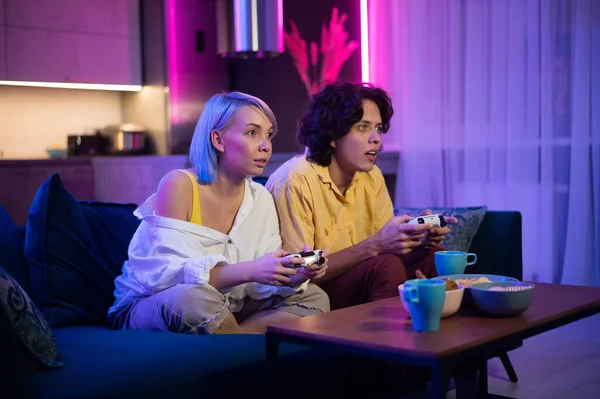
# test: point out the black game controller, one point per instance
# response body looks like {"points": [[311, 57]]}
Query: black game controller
{"points": [[310, 258]]}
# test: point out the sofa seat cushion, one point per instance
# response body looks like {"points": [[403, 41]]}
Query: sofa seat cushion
{"points": [[103, 363], [498, 245], [74, 251]]}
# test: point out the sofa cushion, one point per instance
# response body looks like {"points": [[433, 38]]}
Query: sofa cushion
{"points": [[103, 363], [31, 329], [12, 257], [74, 251], [461, 235]]}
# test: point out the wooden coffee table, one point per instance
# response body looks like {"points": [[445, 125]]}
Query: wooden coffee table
{"points": [[383, 330]]}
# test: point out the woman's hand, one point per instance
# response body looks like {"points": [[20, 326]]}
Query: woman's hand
{"points": [[271, 269], [311, 272]]}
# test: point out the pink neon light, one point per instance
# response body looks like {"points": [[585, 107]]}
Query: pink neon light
{"points": [[280, 25], [172, 62], [364, 40]]}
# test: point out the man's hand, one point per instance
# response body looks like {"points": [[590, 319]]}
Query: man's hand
{"points": [[398, 237], [435, 237]]}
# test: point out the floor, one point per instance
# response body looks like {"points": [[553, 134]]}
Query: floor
{"points": [[562, 363]]}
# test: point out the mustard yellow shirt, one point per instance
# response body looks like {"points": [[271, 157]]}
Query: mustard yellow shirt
{"points": [[312, 210]]}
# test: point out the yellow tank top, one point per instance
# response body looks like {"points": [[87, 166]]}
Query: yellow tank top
{"points": [[196, 216]]}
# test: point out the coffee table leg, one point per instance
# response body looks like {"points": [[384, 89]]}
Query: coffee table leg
{"points": [[272, 345], [440, 378], [483, 378]]}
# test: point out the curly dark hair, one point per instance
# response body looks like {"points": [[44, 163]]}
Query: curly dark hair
{"points": [[332, 112]]}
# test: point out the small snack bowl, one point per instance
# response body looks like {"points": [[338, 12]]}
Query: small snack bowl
{"points": [[502, 298], [56, 153], [452, 300], [404, 303]]}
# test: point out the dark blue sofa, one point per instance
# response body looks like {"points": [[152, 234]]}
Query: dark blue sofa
{"points": [[103, 363]]}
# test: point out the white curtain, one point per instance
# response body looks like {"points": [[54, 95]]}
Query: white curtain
{"points": [[498, 103]]}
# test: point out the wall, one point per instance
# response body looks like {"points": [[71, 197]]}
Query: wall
{"points": [[193, 75], [33, 119], [276, 80], [149, 107]]}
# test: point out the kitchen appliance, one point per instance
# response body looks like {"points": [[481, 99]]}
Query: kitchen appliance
{"points": [[249, 28], [126, 139], [86, 145]]}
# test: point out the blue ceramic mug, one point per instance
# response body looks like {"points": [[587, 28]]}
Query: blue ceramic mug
{"points": [[453, 262], [425, 300]]}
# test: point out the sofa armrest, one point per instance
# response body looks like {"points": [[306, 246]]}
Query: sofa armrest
{"points": [[11, 376], [498, 245]]}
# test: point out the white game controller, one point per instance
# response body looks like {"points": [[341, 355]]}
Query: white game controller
{"points": [[310, 258], [435, 220]]}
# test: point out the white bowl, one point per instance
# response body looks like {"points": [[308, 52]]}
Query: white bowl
{"points": [[452, 300]]}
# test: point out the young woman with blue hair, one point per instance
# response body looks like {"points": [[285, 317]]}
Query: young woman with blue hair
{"points": [[207, 255]]}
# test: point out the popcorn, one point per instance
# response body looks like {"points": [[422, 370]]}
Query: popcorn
{"points": [[466, 282]]}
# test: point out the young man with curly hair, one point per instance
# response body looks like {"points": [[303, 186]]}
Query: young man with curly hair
{"points": [[335, 198]]}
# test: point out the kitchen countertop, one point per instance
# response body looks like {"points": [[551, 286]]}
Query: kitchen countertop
{"points": [[6, 162], [121, 179], [387, 161]]}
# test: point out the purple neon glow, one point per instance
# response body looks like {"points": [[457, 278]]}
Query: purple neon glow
{"points": [[172, 61], [246, 29], [239, 10], [364, 40]]}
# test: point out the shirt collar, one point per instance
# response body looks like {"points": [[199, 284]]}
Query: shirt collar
{"points": [[322, 172], [247, 204], [325, 176]]}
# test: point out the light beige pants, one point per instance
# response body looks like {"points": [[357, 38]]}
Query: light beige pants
{"points": [[200, 309]]}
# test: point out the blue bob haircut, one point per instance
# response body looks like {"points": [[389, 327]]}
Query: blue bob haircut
{"points": [[218, 114]]}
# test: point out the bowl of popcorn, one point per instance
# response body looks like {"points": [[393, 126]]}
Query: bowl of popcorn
{"points": [[453, 298], [466, 280], [502, 298]]}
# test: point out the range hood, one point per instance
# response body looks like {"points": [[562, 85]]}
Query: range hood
{"points": [[249, 28]]}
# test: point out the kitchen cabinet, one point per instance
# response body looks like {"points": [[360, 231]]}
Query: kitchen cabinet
{"points": [[73, 41], [104, 17], [55, 52], [25, 177], [54, 56], [127, 179], [2, 12], [132, 179], [123, 179], [3, 75]]}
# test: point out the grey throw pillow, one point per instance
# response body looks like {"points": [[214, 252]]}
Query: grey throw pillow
{"points": [[461, 235], [33, 332]]}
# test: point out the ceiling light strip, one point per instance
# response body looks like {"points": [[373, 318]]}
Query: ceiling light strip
{"points": [[65, 85]]}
